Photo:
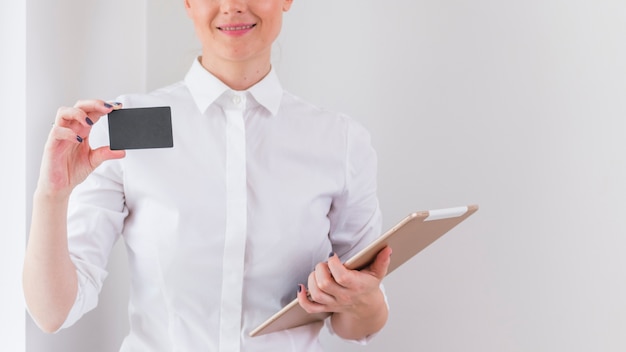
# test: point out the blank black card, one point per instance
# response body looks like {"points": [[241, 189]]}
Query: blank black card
{"points": [[141, 128]]}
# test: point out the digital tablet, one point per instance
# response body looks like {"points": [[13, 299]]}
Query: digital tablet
{"points": [[406, 239]]}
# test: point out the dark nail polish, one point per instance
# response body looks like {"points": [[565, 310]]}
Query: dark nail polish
{"points": [[107, 105], [89, 122], [79, 139], [299, 288], [331, 254], [117, 103]]}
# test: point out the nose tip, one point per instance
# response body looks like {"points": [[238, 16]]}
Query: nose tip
{"points": [[228, 12], [232, 6]]}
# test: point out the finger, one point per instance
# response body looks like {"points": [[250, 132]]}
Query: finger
{"points": [[97, 105], [83, 115], [71, 117], [76, 120], [318, 290], [324, 278], [381, 264], [95, 108], [59, 133], [306, 303], [341, 275]]}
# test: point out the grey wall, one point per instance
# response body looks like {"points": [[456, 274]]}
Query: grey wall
{"points": [[516, 106]]}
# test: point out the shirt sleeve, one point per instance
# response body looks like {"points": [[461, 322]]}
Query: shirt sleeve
{"points": [[355, 215], [96, 214]]}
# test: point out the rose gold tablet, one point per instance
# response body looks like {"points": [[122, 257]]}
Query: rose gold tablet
{"points": [[407, 238]]}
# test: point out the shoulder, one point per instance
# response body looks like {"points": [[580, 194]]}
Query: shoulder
{"points": [[348, 125], [162, 96], [295, 107]]}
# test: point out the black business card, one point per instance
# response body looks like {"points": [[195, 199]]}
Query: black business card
{"points": [[141, 128]]}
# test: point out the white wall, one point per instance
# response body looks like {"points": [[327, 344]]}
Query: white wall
{"points": [[516, 106], [13, 185], [171, 43], [77, 50]]}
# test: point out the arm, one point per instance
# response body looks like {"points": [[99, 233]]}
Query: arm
{"points": [[355, 298], [49, 276]]}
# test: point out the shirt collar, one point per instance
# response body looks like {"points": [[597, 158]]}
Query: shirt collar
{"points": [[205, 88]]}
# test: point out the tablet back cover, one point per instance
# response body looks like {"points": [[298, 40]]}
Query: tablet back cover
{"points": [[407, 238]]}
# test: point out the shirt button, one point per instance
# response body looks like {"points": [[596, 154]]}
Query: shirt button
{"points": [[236, 100]]}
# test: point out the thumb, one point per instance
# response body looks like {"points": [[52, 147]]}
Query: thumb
{"points": [[102, 154], [380, 265]]}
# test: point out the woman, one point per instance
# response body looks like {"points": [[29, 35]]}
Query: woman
{"points": [[222, 229]]}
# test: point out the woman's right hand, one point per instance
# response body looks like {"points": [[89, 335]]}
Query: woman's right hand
{"points": [[68, 158]]}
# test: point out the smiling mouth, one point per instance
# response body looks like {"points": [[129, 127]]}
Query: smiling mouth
{"points": [[237, 28]]}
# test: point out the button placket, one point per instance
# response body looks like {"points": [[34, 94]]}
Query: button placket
{"points": [[236, 225]]}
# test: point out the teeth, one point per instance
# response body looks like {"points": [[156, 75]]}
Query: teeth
{"points": [[237, 28]]}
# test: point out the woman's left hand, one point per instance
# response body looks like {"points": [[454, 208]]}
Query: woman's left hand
{"points": [[354, 293]]}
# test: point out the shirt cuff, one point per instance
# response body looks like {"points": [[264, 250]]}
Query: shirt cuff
{"points": [[366, 339], [90, 280]]}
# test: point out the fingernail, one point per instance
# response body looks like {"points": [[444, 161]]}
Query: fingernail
{"points": [[107, 105], [117, 103], [299, 288], [79, 139], [89, 122], [331, 254]]}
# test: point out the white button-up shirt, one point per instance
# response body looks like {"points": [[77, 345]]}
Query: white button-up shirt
{"points": [[259, 187]]}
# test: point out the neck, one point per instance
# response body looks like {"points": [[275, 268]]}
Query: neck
{"points": [[237, 75]]}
